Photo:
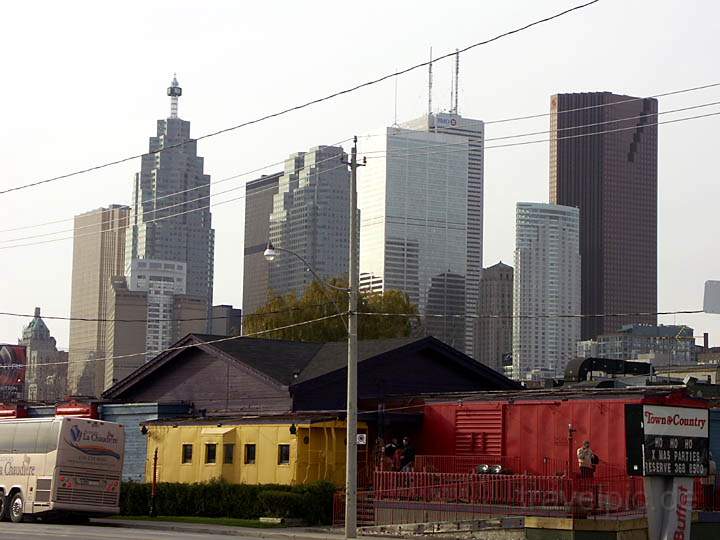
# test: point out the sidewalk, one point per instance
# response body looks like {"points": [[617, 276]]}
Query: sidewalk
{"points": [[279, 533]]}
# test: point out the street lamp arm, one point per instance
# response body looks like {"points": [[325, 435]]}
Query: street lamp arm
{"points": [[269, 254]]}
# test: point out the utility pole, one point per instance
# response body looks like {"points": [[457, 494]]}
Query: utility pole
{"points": [[351, 418]]}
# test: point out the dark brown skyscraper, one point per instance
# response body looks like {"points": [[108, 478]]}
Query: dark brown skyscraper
{"points": [[603, 160]]}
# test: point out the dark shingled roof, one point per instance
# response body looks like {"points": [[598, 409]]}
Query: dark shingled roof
{"points": [[333, 355], [279, 360], [294, 362]]}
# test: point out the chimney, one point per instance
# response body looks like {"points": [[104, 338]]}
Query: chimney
{"points": [[706, 341], [37, 312]]}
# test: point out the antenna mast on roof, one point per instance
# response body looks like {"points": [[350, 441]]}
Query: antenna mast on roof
{"points": [[452, 82], [430, 84], [457, 80]]}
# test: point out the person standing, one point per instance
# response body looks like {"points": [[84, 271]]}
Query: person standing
{"points": [[586, 460], [407, 463]]}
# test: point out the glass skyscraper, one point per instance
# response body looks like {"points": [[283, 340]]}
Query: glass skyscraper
{"points": [[413, 202], [311, 217]]}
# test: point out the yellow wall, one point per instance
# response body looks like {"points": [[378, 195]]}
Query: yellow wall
{"points": [[317, 452]]}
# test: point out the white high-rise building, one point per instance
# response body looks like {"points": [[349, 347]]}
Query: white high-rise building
{"points": [[474, 131], [420, 230], [546, 284]]}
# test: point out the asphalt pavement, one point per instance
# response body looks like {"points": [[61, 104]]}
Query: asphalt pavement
{"points": [[36, 531], [150, 531]]}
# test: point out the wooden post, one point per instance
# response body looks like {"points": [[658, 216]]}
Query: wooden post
{"points": [[153, 491]]}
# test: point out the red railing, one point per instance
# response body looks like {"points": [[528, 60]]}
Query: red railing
{"points": [[465, 464], [417, 497]]}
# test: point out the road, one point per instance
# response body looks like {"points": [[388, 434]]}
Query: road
{"points": [[37, 531]]}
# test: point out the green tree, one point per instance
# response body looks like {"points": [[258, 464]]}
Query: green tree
{"points": [[319, 301]]}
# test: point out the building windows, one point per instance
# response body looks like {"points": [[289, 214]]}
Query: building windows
{"points": [[228, 451], [210, 453], [250, 454], [283, 454], [187, 453]]}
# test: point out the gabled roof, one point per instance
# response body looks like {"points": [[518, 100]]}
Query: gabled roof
{"points": [[293, 362]]}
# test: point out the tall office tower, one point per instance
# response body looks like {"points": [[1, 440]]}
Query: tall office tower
{"points": [[46, 374], [311, 216], [612, 178], [170, 219], [546, 284], [259, 196], [474, 131], [493, 338], [413, 201], [98, 255]]}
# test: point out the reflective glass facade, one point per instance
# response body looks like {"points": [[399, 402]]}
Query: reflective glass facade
{"points": [[413, 202], [311, 217]]}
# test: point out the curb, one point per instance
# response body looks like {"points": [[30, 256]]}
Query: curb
{"points": [[171, 526]]}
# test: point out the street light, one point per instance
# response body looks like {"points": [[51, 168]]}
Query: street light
{"points": [[270, 254]]}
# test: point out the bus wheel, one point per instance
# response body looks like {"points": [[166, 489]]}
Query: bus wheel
{"points": [[16, 508]]}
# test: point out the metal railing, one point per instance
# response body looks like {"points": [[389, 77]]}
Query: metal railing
{"points": [[418, 497]]}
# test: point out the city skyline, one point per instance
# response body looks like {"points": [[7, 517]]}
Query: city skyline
{"points": [[511, 174]]}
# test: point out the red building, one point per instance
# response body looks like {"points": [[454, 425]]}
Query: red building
{"points": [[536, 432]]}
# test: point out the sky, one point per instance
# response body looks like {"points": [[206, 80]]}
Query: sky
{"points": [[85, 82]]}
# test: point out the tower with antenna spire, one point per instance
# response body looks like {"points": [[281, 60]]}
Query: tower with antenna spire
{"points": [[170, 227], [174, 91]]}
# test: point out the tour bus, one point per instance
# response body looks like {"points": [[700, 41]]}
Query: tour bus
{"points": [[50, 467]]}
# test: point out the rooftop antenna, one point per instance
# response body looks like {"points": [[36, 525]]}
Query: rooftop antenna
{"points": [[457, 80], [395, 122], [174, 91], [430, 85], [452, 82]]}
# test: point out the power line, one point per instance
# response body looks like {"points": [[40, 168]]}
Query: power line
{"points": [[424, 154], [243, 316], [303, 105], [592, 134], [201, 186], [334, 157], [620, 102], [181, 347], [158, 210], [128, 225], [536, 316], [396, 154]]}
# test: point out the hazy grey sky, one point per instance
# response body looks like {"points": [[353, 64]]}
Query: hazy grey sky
{"points": [[84, 82]]}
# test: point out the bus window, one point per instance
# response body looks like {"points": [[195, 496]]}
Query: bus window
{"points": [[7, 434], [47, 440], [25, 440]]}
